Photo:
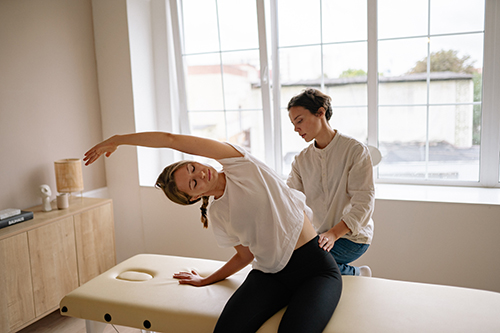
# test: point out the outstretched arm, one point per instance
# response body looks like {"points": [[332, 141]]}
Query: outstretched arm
{"points": [[242, 258], [184, 143]]}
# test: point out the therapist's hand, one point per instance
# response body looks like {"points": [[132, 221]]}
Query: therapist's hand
{"points": [[191, 278], [327, 240]]}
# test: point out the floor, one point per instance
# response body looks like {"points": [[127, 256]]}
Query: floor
{"points": [[55, 323]]}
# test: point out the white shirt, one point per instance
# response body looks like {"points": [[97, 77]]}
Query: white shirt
{"points": [[338, 183], [258, 210]]}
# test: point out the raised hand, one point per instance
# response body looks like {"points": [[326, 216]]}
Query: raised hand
{"points": [[106, 147]]}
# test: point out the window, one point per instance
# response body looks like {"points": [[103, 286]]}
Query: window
{"points": [[221, 59], [329, 53], [430, 56], [431, 115]]}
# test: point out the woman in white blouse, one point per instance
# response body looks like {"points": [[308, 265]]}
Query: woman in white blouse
{"points": [[263, 219], [335, 173]]}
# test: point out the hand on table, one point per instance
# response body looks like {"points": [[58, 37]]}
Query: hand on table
{"points": [[191, 278]]}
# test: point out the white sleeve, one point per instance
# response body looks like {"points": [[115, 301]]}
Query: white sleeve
{"points": [[362, 192]]}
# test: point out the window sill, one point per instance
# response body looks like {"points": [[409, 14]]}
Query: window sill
{"points": [[448, 194]]}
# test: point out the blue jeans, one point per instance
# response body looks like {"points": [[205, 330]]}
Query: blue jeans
{"points": [[345, 251]]}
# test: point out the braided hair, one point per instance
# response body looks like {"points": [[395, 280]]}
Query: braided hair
{"points": [[167, 183]]}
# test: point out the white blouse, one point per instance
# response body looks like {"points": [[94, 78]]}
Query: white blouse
{"points": [[258, 210], [338, 183]]}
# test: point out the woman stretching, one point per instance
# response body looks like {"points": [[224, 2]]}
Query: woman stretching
{"points": [[264, 220]]}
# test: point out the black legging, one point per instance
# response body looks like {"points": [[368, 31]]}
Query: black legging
{"points": [[310, 285]]}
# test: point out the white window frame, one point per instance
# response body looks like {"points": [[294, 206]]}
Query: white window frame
{"points": [[490, 134]]}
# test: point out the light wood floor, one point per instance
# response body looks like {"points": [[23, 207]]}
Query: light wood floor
{"points": [[55, 323]]}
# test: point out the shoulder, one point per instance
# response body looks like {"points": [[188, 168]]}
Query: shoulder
{"points": [[355, 151], [240, 149], [242, 156], [352, 144], [305, 153]]}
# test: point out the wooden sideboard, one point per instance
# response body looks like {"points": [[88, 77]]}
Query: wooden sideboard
{"points": [[43, 259]]}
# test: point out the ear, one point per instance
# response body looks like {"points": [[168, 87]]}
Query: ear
{"points": [[195, 198], [321, 112]]}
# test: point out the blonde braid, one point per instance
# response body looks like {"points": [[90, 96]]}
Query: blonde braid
{"points": [[204, 217]]}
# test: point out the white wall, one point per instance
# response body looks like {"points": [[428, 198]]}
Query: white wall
{"points": [[441, 243]]}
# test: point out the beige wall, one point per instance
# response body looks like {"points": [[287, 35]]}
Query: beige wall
{"points": [[442, 243], [49, 100]]}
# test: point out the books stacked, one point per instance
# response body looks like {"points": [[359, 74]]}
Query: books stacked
{"points": [[12, 216]]}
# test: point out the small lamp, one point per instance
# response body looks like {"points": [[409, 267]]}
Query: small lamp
{"points": [[69, 176]]}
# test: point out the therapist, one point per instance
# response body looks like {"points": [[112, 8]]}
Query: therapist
{"points": [[335, 173]]}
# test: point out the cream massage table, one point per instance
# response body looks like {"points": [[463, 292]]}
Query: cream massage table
{"points": [[140, 292]]}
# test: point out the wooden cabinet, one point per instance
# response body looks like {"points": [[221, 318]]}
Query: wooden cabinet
{"points": [[43, 259]]}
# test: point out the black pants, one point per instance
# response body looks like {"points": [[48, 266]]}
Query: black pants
{"points": [[310, 285]]}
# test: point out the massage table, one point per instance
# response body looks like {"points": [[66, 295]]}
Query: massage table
{"points": [[140, 292]]}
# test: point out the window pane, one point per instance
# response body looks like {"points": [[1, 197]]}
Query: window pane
{"points": [[200, 26], [299, 22], [349, 92], [455, 60], [208, 124], [204, 82], [345, 67], [344, 20], [241, 73], [398, 57], [223, 79], [396, 60], [238, 24], [345, 60], [287, 92], [402, 137], [351, 121], [451, 16], [300, 64], [452, 153], [291, 142], [245, 128], [398, 18]]}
